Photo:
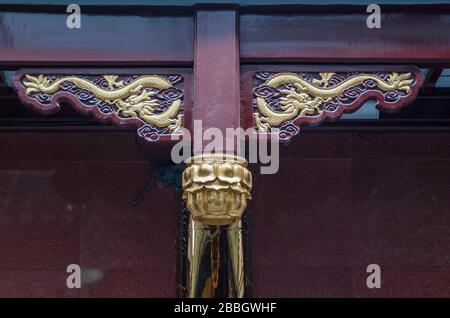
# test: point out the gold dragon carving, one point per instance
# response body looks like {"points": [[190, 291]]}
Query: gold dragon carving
{"points": [[305, 98], [131, 100]]}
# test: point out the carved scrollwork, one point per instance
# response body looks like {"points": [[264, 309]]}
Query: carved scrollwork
{"points": [[153, 103], [284, 101]]}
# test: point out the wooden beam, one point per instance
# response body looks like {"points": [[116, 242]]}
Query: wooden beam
{"points": [[273, 34], [342, 36], [216, 69], [30, 39]]}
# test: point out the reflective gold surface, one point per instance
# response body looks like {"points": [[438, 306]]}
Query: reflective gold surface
{"points": [[236, 286], [216, 188], [305, 98], [134, 99], [215, 261]]}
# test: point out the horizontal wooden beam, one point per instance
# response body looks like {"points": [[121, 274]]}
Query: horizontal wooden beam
{"points": [[42, 39], [113, 36], [404, 37]]}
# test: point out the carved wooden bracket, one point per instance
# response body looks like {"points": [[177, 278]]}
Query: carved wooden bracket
{"points": [[156, 102], [282, 100]]}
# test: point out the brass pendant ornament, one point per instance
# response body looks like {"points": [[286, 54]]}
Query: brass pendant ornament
{"points": [[216, 188]]}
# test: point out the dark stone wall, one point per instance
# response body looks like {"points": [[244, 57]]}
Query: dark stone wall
{"points": [[340, 201], [65, 197]]}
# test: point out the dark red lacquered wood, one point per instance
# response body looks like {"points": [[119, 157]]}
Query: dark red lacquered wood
{"points": [[342, 35], [216, 70], [28, 38], [37, 35]]}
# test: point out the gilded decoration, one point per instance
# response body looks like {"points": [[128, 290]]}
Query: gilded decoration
{"points": [[284, 100], [216, 188], [155, 101]]}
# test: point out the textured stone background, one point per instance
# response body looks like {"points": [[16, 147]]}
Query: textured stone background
{"points": [[340, 201]]}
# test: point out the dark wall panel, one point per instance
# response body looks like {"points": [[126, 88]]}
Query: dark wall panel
{"points": [[66, 199], [344, 201], [382, 198]]}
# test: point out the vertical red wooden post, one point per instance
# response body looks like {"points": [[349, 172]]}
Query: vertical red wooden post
{"points": [[216, 69], [216, 187]]}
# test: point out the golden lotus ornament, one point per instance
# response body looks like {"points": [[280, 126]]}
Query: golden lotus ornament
{"points": [[216, 188]]}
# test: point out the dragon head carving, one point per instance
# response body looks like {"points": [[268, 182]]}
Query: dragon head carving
{"points": [[35, 84]]}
